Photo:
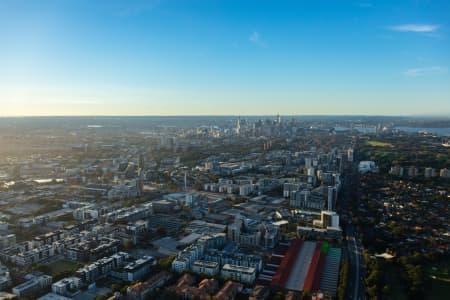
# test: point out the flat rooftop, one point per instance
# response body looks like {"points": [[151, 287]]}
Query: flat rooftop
{"points": [[301, 266]]}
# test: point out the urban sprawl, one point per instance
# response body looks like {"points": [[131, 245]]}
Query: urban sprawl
{"points": [[222, 208]]}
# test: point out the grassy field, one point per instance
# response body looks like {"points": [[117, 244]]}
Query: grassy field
{"points": [[60, 266], [379, 144]]}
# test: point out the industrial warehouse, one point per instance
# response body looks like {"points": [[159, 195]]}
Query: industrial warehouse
{"points": [[303, 266]]}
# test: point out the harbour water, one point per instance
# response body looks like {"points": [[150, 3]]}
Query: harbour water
{"points": [[439, 131]]}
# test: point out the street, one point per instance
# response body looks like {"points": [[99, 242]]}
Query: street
{"points": [[356, 286], [356, 289]]}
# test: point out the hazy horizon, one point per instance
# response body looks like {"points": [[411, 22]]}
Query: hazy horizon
{"points": [[318, 115]]}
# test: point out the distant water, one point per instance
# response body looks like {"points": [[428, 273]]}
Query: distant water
{"points": [[360, 129], [438, 131]]}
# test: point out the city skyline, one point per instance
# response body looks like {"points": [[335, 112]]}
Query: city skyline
{"points": [[224, 58]]}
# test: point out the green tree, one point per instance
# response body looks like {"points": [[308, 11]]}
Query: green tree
{"points": [[166, 263], [372, 291], [116, 287], [386, 290]]}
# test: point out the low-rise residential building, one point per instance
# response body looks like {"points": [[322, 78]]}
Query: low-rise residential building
{"points": [[101, 267], [233, 258], [5, 277], [35, 283], [142, 290], [210, 268], [7, 240], [239, 273], [135, 270], [67, 287], [186, 289], [229, 291], [194, 252]]}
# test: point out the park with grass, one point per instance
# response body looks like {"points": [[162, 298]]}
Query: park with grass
{"points": [[59, 268], [379, 144]]}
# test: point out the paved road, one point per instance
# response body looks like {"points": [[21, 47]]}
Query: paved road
{"points": [[356, 289]]}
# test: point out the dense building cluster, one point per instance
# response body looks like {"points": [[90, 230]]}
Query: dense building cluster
{"points": [[243, 207]]}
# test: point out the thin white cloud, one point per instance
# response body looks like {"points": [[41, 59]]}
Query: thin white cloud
{"points": [[419, 28], [255, 38], [415, 72]]}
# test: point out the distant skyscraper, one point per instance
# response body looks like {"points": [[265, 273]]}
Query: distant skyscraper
{"points": [[278, 119], [331, 195], [141, 174], [141, 161], [140, 166], [350, 154], [238, 125]]}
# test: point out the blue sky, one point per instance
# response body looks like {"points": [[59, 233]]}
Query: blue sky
{"points": [[112, 57]]}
